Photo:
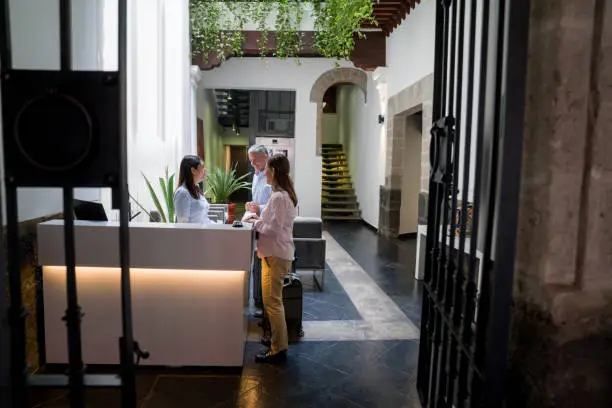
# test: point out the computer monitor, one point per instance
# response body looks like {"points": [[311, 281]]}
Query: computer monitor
{"points": [[89, 211]]}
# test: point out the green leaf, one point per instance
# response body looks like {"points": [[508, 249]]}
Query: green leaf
{"points": [[155, 199], [170, 199], [222, 184]]}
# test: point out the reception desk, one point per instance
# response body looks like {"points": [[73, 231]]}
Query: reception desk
{"points": [[190, 291]]}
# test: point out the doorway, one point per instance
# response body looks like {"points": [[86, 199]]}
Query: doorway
{"points": [[411, 175], [238, 157]]}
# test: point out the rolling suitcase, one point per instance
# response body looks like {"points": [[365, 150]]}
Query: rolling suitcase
{"points": [[257, 296], [293, 295]]}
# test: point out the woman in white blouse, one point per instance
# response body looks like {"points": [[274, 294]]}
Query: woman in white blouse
{"points": [[275, 248], [190, 205]]}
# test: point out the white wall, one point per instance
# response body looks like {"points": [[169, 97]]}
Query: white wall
{"points": [[159, 97], [273, 74], [411, 48], [410, 57], [370, 146]]}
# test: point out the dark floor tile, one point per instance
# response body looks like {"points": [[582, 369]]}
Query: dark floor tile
{"points": [[310, 349], [320, 309], [193, 391], [411, 306], [302, 377], [403, 357], [374, 394], [59, 398], [324, 400], [351, 357], [254, 398], [330, 304], [390, 263]]}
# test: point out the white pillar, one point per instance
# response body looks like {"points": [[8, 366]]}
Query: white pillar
{"points": [[196, 76]]}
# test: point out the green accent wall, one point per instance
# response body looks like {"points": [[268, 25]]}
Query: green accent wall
{"points": [[213, 136], [231, 138]]}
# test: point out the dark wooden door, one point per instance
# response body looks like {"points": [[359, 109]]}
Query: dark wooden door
{"points": [[200, 136], [239, 158]]}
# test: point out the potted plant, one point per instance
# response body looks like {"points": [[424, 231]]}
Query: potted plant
{"points": [[222, 184], [167, 189]]}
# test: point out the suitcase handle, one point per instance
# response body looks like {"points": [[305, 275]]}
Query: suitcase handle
{"points": [[288, 281]]}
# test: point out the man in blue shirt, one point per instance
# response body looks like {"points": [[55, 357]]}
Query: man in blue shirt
{"points": [[261, 190]]}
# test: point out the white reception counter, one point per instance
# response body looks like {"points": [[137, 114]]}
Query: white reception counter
{"points": [[190, 291]]}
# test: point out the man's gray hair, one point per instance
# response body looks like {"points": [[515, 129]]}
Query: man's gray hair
{"points": [[258, 149]]}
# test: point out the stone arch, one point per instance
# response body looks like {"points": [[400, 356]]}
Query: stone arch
{"points": [[328, 79]]}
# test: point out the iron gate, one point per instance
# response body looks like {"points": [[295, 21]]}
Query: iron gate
{"points": [[475, 159], [64, 129]]}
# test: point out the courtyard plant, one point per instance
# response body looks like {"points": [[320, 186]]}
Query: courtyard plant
{"points": [[166, 184], [222, 184], [218, 27]]}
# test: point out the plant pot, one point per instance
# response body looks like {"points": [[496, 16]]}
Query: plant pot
{"points": [[231, 209]]}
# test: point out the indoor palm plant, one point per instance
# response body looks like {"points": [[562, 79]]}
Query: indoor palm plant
{"points": [[222, 184], [166, 184]]}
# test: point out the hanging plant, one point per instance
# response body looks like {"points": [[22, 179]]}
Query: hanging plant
{"points": [[288, 22], [336, 22], [217, 27]]}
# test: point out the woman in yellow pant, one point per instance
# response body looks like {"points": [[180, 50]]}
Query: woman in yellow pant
{"points": [[275, 248]]}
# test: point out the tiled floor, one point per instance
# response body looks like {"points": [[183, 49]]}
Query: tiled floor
{"points": [[325, 371]]}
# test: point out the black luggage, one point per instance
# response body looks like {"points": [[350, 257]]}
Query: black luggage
{"points": [[257, 296], [293, 295], [293, 299]]}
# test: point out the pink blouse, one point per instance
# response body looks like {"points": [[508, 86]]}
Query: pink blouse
{"points": [[276, 227]]}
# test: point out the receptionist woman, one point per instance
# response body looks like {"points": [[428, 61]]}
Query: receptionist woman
{"points": [[190, 205]]}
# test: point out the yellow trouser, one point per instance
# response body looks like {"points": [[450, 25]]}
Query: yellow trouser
{"points": [[273, 272]]}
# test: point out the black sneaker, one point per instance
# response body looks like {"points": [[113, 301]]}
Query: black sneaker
{"points": [[270, 358]]}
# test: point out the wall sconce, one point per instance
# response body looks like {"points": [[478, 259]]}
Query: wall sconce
{"points": [[381, 119]]}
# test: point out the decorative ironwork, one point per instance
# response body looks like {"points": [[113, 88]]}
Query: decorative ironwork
{"points": [[84, 146], [472, 201]]}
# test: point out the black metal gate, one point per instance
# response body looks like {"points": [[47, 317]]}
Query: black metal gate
{"points": [[63, 129], [475, 159]]}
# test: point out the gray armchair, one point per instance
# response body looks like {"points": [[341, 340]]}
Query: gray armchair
{"points": [[310, 247]]}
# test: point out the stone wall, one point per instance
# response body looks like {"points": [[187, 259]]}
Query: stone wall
{"points": [[415, 98], [561, 354]]}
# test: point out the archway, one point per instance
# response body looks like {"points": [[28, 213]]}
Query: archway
{"points": [[330, 78]]}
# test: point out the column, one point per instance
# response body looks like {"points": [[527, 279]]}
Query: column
{"points": [[561, 348]]}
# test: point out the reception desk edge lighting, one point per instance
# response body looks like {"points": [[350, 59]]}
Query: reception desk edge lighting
{"points": [[189, 306]]}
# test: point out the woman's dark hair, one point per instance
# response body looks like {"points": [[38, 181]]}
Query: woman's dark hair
{"points": [[186, 176], [282, 180]]}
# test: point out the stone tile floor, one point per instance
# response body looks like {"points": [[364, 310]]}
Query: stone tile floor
{"points": [[323, 374]]}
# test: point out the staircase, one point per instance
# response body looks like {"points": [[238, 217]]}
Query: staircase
{"points": [[338, 200]]}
